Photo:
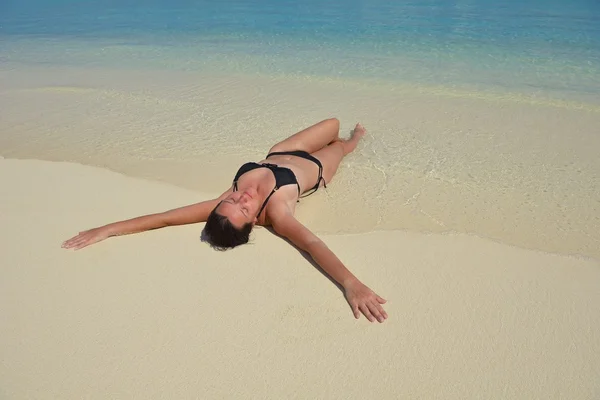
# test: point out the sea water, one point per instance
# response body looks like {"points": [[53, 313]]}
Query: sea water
{"points": [[527, 45], [484, 117]]}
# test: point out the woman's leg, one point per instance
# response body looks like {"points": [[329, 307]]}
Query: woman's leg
{"points": [[331, 155], [311, 139]]}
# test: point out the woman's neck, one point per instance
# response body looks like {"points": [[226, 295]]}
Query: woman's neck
{"points": [[262, 184]]}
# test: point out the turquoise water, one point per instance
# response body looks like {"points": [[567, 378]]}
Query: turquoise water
{"points": [[530, 46]]}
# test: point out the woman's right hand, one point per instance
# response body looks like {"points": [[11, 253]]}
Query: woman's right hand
{"points": [[86, 238]]}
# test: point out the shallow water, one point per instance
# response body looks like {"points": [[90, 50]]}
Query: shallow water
{"points": [[526, 45], [483, 118]]}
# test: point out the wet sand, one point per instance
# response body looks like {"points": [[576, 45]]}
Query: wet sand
{"points": [[516, 169]]}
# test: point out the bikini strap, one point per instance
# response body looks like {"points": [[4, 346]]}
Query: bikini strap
{"points": [[266, 201], [321, 178], [316, 187]]}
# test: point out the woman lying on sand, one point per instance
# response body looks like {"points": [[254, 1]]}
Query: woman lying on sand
{"points": [[266, 193]]}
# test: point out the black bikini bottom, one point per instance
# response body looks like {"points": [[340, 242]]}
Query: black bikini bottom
{"points": [[306, 156]]}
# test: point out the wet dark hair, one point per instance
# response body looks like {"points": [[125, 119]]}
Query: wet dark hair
{"points": [[220, 233]]}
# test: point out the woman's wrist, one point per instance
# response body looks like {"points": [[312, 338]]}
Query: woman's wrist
{"points": [[110, 230], [349, 282]]}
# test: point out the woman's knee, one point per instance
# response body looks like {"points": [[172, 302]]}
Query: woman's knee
{"points": [[334, 121]]}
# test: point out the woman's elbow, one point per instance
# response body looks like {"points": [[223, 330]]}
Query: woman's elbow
{"points": [[311, 245]]}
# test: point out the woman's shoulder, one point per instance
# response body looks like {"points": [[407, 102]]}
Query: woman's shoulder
{"points": [[278, 209]]}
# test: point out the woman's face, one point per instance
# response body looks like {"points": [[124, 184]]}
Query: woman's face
{"points": [[240, 207]]}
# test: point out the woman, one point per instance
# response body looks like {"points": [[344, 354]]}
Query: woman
{"points": [[266, 194]]}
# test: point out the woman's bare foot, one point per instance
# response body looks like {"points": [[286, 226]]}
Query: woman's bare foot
{"points": [[350, 144], [359, 131]]}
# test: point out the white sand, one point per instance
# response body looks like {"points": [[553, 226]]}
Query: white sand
{"points": [[161, 315]]}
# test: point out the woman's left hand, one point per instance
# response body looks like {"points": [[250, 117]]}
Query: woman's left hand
{"points": [[362, 299]]}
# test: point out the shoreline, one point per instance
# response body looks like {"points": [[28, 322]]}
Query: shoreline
{"points": [[206, 195], [523, 174], [536, 96]]}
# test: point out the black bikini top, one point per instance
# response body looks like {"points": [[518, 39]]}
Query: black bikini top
{"points": [[283, 176]]}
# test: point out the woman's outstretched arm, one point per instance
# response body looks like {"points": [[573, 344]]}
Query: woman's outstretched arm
{"points": [[359, 296], [179, 216]]}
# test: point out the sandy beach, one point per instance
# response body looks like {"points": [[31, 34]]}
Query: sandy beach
{"points": [[474, 200], [161, 315]]}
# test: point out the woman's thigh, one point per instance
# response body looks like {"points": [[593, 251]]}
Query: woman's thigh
{"points": [[330, 156], [312, 138]]}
